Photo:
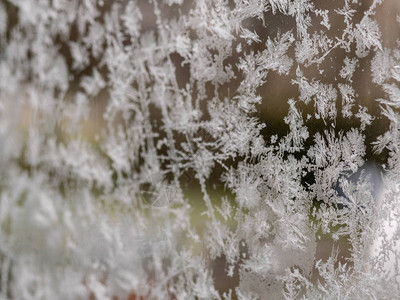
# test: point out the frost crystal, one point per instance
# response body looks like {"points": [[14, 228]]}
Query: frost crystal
{"points": [[210, 149]]}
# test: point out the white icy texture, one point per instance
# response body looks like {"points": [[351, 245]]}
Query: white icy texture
{"points": [[111, 112]]}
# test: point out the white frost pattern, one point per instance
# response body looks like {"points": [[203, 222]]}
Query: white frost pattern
{"points": [[142, 156]]}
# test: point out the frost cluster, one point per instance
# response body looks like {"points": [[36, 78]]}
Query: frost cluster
{"points": [[199, 149]]}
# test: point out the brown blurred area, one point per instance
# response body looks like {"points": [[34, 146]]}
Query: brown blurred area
{"points": [[278, 88]]}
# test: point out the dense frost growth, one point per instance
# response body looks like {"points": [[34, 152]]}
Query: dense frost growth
{"points": [[205, 149]]}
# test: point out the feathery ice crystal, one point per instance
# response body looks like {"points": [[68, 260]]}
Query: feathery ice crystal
{"points": [[208, 149]]}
